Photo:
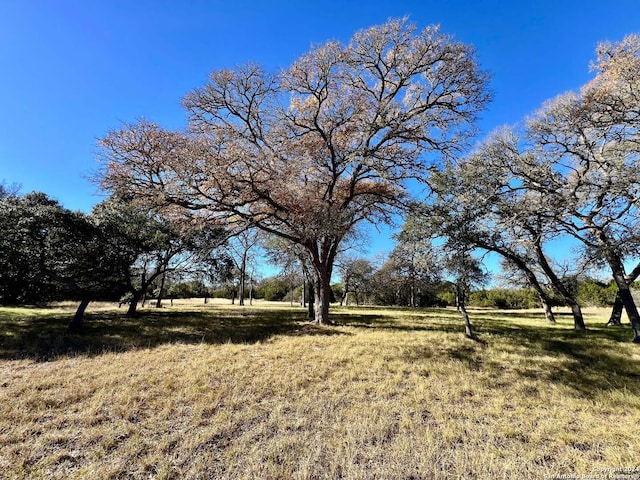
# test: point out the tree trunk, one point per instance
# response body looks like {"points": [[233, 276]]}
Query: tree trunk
{"points": [[468, 329], [323, 298], [615, 320], [461, 306], [412, 299], [291, 292], [251, 289], [159, 300], [303, 299], [323, 255], [133, 304], [548, 312], [311, 302], [243, 267], [528, 273], [629, 306], [617, 269], [578, 319], [76, 322]]}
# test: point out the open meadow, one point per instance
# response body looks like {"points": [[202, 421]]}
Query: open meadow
{"points": [[220, 391]]}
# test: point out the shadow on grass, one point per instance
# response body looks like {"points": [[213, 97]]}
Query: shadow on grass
{"points": [[46, 337], [412, 320], [600, 359]]}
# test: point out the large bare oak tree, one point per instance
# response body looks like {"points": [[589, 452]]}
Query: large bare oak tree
{"points": [[310, 152]]}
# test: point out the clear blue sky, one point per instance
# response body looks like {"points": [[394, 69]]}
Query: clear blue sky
{"points": [[72, 69]]}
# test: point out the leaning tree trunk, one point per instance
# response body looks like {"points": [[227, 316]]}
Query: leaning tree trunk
{"points": [[546, 306], [468, 329], [617, 269], [627, 301], [618, 306], [529, 274], [615, 320], [76, 322], [578, 319]]}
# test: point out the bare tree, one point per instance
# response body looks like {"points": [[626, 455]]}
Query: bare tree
{"points": [[311, 152]]}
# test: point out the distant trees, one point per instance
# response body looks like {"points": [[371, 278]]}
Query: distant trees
{"points": [[357, 278], [311, 152]]}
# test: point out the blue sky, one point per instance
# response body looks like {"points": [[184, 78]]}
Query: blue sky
{"points": [[71, 70]]}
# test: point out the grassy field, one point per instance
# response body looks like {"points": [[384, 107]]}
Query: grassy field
{"points": [[214, 391]]}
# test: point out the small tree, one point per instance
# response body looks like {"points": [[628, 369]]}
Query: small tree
{"points": [[159, 245], [467, 272]]}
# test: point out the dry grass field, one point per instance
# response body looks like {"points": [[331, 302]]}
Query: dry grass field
{"points": [[213, 391]]}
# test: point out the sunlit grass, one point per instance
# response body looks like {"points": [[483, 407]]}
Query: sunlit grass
{"points": [[214, 391]]}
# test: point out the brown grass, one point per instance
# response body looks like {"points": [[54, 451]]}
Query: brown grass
{"points": [[212, 391]]}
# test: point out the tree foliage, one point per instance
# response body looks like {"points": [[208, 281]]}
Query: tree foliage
{"points": [[160, 245], [49, 253]]}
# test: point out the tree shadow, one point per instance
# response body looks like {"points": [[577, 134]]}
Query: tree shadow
{"points": [[413, 320], [587, 362], [43, 338]]}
